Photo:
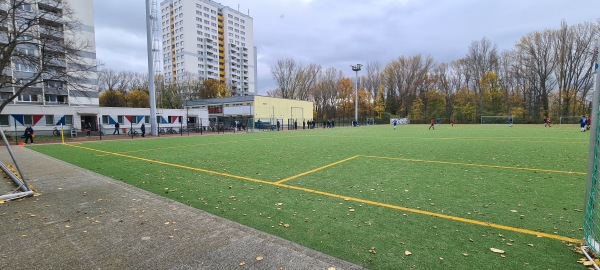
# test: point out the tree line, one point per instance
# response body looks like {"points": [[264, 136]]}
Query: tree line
{"points": [[130, 89], [548, 73]]}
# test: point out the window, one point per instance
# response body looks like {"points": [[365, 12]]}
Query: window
{"points": [[120, 119], [4, 120], [24, 68], [147, 119], [26, 7], [49, 120], [26, 51], [5, 95], [68, 120], [28, 119]]}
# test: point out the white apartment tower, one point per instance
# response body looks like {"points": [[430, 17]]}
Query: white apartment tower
{"points": [[206, 39], [59, 77]]}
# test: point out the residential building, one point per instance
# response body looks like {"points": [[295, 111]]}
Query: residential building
{"points": [[205, 39], [46, 40]]}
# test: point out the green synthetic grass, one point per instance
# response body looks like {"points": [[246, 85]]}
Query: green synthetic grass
{"points": [[341, 189]]}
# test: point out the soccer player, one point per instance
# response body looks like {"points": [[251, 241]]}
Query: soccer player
{"points": [[452, 121], [547, 122], [582, 123], [432, 124], [510, 121], [395, 122], [588, 123]]}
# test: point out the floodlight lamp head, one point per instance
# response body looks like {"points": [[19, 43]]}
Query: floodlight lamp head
{"points": [[356, 67]]}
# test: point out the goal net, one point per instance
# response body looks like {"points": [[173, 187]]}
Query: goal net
{"points": [[591, 220], [495, 119], [569, 120], [401, 121]]}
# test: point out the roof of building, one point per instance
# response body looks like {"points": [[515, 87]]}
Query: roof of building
{"points": [[211, 101]]}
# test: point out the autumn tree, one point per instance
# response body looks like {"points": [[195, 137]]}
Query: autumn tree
{"points": [[138, 99], [379, 103], [212, 88], [345, 97], [112, 98]]}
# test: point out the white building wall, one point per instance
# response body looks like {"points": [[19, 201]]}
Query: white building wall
{"points": [[45, 118], [86, 40]]}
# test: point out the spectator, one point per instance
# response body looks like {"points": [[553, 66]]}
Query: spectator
{"points": [[28, 134]]}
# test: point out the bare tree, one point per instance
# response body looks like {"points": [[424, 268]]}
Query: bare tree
{"points": [[286, 73], [574, 57], [373, 77], [307, 80], [481, 58], [38, 48], [536, 50]]}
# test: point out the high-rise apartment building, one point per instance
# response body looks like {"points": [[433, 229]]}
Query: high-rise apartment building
{"points": [[55, 55], [206, 39]]}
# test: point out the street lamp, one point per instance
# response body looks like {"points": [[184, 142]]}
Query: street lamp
{"points": [[356, 68]]}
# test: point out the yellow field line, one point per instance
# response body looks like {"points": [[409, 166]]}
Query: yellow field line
{"points": [[411, 210], [175, 165], [199, 144], [315, 170], [417, 211], [476, 165]]}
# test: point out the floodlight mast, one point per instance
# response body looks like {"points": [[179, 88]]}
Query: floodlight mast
{"points": [[356, 68]]}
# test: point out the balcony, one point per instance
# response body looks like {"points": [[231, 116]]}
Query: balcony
{"points": [[51, 32], [54, 4], [57, 62]]}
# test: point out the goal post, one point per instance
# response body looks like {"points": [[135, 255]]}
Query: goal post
{"points": [[495, 119], [564, 120]]}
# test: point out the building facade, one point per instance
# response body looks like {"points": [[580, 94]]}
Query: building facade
{"points": [[207, 40], [255, 108], [42, 53]]}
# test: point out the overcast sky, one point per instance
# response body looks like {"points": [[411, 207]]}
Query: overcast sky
{"points": [[338, 33]]}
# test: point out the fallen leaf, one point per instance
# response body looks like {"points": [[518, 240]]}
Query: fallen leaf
{"points": [[514, 211], [503, 256], [242, 263], [331, 268], [588, 263], [465, 254], [495, 250], [260, 258], [286, 225], [351, 210], [407, 253]]}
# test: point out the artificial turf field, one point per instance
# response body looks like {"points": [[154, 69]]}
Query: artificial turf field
{"points": [[370, 195]]}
